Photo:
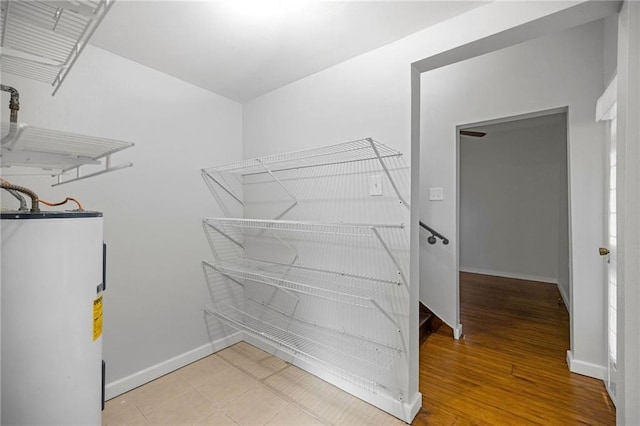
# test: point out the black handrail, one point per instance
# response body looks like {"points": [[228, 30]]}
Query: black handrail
{"points": [[432, 238]]}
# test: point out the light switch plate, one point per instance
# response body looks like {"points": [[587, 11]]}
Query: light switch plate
{"points": [[376, 185], [436, 194]]}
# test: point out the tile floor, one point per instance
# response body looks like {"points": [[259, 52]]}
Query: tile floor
{"points": [[241, 385]]}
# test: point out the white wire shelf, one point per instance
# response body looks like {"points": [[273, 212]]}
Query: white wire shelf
{"points": [[340, 354], [41, 40], [338, 287], [341, 339], [58, 152], [227, 180], [358, 150], [288, 238], [347, 229]]}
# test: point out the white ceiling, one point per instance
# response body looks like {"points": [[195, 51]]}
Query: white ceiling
{"points": [[242, 54]]}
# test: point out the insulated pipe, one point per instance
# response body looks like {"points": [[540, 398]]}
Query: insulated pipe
{"points": [[14, 102], [15, 190], [19, 197], [35, 207], [14, 106]]}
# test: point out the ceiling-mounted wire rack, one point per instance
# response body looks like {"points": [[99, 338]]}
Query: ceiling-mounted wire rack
{"points": [[41, 40], [60, 154]]}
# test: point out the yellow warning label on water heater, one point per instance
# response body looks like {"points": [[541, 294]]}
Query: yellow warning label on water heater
{"points": [[97, 318]]}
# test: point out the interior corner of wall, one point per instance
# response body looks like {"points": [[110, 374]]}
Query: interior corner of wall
{"points": [[564, 295], [569, 358]]}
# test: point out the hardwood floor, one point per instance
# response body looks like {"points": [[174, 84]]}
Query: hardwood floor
{"points": [[510, 367]]}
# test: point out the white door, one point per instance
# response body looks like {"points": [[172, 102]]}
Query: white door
{"points": [[606, 110], [612, 287]]}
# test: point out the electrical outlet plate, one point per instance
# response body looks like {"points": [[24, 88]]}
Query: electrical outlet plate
{"points": [[436, 194]]}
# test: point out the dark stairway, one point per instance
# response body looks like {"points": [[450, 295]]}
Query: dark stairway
{"points": [[428, 323]]}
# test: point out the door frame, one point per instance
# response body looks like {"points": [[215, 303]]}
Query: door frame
{"points": [[551, 111], [555, 21], [606, 112], [628, 210]]}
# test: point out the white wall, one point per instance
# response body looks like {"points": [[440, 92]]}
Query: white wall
{"points": [[565, 69], [371, 94], [512, 186], [610, 47], [155, 287]]}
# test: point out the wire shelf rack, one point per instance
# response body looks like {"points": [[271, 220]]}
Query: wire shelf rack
{"points": [[338, 353], [58, 152], [348, 229], [41, 40], [358, 150], [312, 259], [280, 174], [288, 241], [342, 288]]}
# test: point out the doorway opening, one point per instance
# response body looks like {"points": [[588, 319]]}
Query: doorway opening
{"points": [[513, 199]]}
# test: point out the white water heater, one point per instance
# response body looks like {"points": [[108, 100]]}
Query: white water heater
{"points": [[51, 318]]}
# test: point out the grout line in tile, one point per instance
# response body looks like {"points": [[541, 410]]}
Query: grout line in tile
{"points": [[275, 372], [251, 374], [249, 390], [146, 419], [172, 373], [301, 408], [289, 399], [276, 414], [241, 371], [234, 399], [215, 354]]}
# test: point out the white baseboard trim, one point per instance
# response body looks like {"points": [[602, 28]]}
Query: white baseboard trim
{"points": [[141, 377], [513, 275], [457, 332], [565, 297], [585, 368]]}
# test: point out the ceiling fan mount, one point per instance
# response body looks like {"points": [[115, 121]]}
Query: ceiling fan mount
{"points": [[472, 133]]}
